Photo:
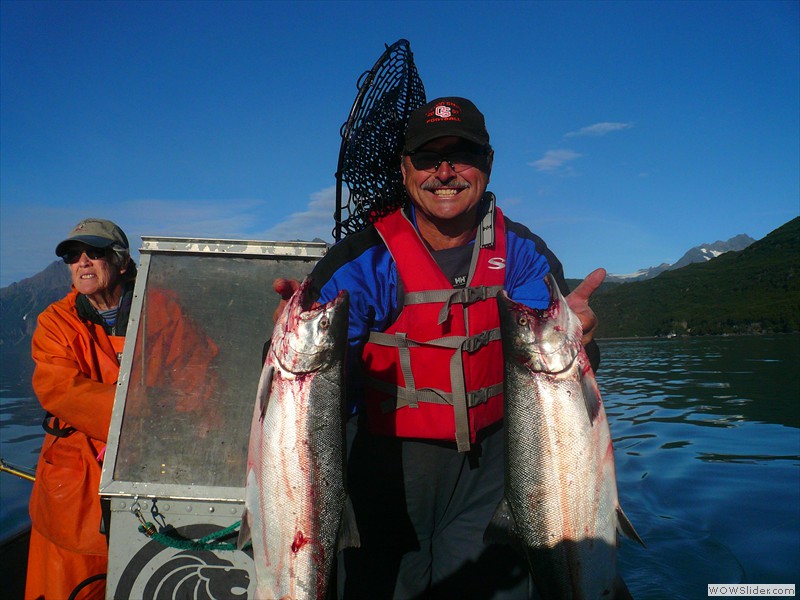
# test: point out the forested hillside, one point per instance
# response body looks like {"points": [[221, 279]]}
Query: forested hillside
{"points": [[756, 290]]}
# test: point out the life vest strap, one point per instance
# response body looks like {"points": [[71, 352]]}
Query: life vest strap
{"points": [[467, 343], [402, 396], [405, 365], [458, 398], [486, 229], [465, 296]]}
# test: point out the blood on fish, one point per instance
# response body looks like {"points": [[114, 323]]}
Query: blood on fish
{"points": [[299, 541]]}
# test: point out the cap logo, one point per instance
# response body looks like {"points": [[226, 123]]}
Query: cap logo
{"points": [[445, 117], [447, 111], [443, 111]]}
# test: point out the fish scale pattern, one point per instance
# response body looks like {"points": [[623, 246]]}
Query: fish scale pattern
{"points": [[295, 494], [561, 496]]}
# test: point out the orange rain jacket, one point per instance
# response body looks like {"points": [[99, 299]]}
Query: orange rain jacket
{"points": [[77, 367], [75, 380]]}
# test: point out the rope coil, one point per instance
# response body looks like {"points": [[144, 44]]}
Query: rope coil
{"points": [[168, 536]]}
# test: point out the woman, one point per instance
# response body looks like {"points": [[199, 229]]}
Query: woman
{"points": [[77, 348]]}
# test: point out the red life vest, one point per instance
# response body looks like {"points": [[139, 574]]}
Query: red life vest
{"points": [[437, 371]]}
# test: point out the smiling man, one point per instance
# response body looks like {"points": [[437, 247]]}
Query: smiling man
{"points": [[425, 367]]}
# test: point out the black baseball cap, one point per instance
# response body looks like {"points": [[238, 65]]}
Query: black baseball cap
{"points": [[445, 117]]}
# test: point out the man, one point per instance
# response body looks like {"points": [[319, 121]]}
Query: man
{"points": [[77, 347], [425, 469]]}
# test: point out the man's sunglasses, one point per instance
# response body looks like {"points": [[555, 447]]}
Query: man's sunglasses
{"points": [[462, 160], [73, 255]]}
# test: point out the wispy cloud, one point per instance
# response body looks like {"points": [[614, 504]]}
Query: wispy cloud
{"points": [[554, 160], [599, 129], [30, 232], [235, 219], [316, 221], [557, 161], [217, 218]]}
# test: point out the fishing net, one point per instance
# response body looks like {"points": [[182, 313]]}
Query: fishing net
{"points": [[368, 179]]}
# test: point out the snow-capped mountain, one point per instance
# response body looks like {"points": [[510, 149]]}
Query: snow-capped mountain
{"points": [[701, 253]]}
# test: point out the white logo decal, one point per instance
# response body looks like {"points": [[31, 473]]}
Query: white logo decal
{"points": [[497, 263], [442, 111]]}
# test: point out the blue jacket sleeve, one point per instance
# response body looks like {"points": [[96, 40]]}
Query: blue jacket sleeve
{"points": [[365, 269], [527, 263]]}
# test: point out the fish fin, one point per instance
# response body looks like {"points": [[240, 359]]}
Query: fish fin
{"points": [[263, 391], [502, 526], [591, 397], [624, 525], [265, 351], [621, 591], [348, 528], [244, 531]]}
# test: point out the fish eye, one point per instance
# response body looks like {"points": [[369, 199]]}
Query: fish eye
{"points": [[522, 321], [324, 323]]}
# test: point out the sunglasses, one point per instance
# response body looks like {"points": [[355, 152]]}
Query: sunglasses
{"points": [[73, 255], [425, 160]]}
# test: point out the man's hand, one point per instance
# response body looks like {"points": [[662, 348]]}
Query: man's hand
{"points": [[578, 301], [284, 287]]}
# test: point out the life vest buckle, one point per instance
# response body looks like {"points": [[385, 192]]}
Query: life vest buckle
{"points": [[476, 342]]}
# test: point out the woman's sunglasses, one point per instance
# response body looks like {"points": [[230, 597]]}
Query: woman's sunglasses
{"points": [[73, 255]]}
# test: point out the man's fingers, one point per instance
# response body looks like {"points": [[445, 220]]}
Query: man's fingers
{"points": [[578, 301], [285, 287], [588, 286]]}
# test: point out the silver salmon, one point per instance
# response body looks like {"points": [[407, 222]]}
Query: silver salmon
{"points": [[297, 511], [560, 506]]}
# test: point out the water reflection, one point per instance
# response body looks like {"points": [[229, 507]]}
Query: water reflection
{"points": [[707, 443], [21, 437], [21, 433], [719, 377]]}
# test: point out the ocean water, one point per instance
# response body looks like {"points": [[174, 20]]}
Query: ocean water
{"points": [[707, 448], [21, 438], [707, 445]]}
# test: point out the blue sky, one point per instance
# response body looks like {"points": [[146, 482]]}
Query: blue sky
{"points": [[625, 133]]}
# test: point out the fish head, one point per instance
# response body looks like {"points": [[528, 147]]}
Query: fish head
{"points": [[309, 335], [546, 340]]}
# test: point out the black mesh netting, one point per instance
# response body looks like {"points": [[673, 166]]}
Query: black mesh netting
{"points": [[368, 179]]}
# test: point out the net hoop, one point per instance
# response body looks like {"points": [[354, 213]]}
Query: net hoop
{"points": [[368, 179]]}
